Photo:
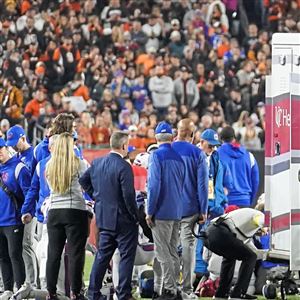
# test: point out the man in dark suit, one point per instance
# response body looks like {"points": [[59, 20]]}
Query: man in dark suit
{"points": [[109, 181]]}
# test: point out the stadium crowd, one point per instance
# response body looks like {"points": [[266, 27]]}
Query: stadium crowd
{"points": [[187, 75], [135, 62]]}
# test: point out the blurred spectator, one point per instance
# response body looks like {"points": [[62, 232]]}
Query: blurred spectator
{"points": [[35, 108], [4, 126], [84, 129], [234, 106], [11, 100], [100, 133], [186, 91], [250, 135], [161, 88]]}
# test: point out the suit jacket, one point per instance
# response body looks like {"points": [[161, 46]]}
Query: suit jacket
{"points": [[109, 181]]}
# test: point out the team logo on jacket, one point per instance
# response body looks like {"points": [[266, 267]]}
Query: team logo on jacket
{"points": [[10, 136], [4, 176]]}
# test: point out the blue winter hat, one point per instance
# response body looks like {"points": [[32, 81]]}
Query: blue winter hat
{"points": [[163, 127], [13, 135], [2, 143], [211, 136]]}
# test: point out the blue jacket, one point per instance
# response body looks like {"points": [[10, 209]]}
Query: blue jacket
{"points": [[41, 151], [244, 172], [221, 178], [165, 184], [26, 157], [16, 177], [195, 188], [39, 189], [109, 181]]}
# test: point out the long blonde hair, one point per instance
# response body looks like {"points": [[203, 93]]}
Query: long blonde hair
{"points": [[63, 164]]}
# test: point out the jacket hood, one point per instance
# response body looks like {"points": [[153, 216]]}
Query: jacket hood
{"points": [[234, 150]]}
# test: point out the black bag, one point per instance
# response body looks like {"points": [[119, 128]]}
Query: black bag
{"points": [[10, 194]]}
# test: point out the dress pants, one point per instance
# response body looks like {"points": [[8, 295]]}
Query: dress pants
{"points": [[125, 238]]}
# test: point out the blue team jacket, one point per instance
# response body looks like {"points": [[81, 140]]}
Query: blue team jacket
{"points": [[16, 177], [195, 188], [41, 151], [165, 184], [244, 172], [26, 157], [39, 189]]}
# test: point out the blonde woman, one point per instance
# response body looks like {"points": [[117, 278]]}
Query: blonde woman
{"points": [[67, 217]]}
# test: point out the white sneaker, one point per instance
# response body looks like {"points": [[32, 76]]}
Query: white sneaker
{"points": [[188, 296], [22, 292], [6, 295]]}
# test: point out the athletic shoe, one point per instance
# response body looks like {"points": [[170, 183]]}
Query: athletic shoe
{"points": [[6, 295], [23, 292], [188, 296]]}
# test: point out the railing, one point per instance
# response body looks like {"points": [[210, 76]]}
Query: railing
{"points": [[38, 134]]}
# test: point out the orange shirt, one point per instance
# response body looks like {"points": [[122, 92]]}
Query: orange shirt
{"points": [[83, 92], [100, 135], [147, 62], [35, 108]]}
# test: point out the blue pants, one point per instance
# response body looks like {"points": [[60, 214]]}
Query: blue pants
{"points": [[125, 239]]}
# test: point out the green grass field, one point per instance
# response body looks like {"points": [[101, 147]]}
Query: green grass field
{"points": [[89, 259]]}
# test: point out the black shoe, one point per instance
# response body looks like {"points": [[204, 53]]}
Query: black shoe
{"points": [[179, 295], [168, 295], [51, 297], [78, 297], [155, 295], [243, 297]]}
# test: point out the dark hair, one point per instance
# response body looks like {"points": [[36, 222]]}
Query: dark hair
{"points": [[62, 123], [227, 134]]}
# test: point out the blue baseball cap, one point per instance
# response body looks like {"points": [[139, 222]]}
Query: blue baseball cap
{"points": [[2, 143], [163, 127], [13, 135], [131, 149], [211, 136]]}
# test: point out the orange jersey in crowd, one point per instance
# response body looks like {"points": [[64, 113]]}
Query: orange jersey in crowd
{"points": [[35, 108]]}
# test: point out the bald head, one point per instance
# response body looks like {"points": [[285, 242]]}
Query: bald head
{"points": [[186, 128]]}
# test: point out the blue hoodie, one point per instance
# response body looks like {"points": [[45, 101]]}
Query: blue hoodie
{"points": [[165, 183], [39, 189], [244, 172], [16, 177], [195, 188]]}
